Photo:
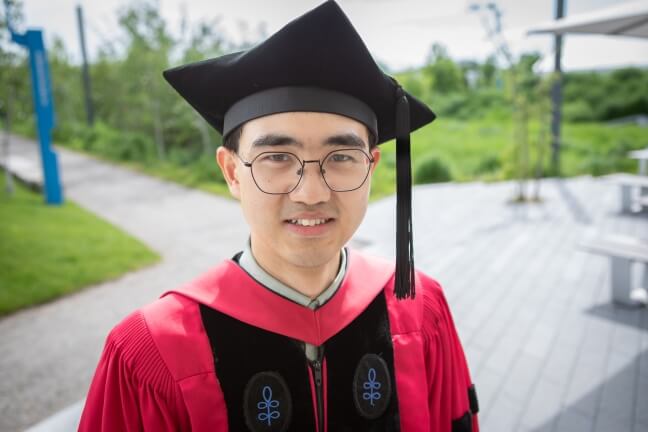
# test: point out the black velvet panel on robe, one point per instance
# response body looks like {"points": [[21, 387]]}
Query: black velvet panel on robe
{"points": [[368, 334], [242, 351]]}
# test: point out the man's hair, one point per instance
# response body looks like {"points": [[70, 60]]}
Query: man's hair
{"points": [[232, 141]]}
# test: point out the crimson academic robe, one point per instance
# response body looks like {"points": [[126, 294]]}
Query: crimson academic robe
{"points": [[225, 353]]}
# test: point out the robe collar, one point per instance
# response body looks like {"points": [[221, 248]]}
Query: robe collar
{"points": [[248, 262], [227, 288]]}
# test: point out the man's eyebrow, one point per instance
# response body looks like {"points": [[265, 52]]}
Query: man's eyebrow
{"points": [[347, 140], [274, 140]]}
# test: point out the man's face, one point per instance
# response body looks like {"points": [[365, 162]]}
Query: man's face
{"points": [[275, 235]]}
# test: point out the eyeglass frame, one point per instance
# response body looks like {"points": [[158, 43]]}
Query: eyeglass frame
{"points": [[303, 163]]}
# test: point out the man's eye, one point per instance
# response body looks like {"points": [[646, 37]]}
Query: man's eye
{"points": [[342, 158], [276, 157]]}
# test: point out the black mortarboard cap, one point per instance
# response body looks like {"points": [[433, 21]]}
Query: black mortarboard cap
{"points": [[318, 62]]}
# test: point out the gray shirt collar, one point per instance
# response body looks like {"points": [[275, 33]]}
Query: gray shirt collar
{"points": [[250, 265]]}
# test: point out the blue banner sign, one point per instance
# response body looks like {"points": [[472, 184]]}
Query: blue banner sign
{"points": [[43, 107]]}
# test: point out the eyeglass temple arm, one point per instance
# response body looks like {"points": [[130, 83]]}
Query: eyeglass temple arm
{"points": [[246, 163]]}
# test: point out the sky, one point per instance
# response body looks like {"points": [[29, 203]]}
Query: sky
{"points": [[399, 33]]}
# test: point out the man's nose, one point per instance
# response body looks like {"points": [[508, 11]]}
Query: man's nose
{"points": [[312, 188]]}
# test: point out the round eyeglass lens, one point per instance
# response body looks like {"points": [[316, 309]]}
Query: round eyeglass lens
{"points": [[276, 173], [346, 170]]}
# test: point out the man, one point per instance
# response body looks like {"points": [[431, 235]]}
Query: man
{"points": [[295, 333]]}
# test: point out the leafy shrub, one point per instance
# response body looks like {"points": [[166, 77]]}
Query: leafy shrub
{"points": [[578, 111], [109, 142], [625, 105], [431, 169], [597, 165], [25, 127], [476, 103], [488, 164], [182, 156]]}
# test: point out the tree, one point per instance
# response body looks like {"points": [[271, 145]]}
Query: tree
{"points": [[530, 98], [522, 90], [487, 72], [15, 87], [149, 46], [205, 41], [444, 74]]}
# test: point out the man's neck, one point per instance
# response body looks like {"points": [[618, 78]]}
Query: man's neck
{"points": [[309, 281]]}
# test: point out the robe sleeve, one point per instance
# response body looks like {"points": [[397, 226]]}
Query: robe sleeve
{"points": [[451, 395], [132, 389]]}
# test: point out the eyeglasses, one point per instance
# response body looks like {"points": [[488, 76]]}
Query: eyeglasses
{"points": [[278, 173]]}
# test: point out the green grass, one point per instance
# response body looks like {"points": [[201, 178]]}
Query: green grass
{"points": [[50, 251], [467, 147]]}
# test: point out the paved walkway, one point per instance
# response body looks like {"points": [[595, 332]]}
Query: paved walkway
{"points": [[547, 350]]}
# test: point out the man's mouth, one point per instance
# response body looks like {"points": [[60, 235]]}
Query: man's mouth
{"points": [[309, 222]]}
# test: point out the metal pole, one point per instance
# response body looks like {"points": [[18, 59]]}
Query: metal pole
{"points": [[556, 96], [87, 91]]}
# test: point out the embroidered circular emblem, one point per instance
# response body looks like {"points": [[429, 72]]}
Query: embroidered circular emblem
{"points": [[371, 386], [267, 405]]}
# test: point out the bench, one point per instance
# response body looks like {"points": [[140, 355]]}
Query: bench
{"points": [[642, 157], [643, 201], [629, 183], [623, 252]]}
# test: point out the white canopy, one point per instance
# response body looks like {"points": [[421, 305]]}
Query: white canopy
{"points": [[628, 19]]}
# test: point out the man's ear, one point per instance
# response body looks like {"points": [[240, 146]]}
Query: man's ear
{"points": [[375, 153], [227, 161]]}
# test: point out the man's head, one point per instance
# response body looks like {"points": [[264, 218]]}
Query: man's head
{"points": [[317, 63], [279, 222]]}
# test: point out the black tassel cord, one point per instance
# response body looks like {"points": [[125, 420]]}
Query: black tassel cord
{"points": [[404, 283]]}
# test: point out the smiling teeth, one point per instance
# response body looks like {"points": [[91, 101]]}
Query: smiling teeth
{"points": [[307, 222]]}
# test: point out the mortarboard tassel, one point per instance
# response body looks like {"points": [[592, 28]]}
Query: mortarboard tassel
{"points": [[404, 284]]}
